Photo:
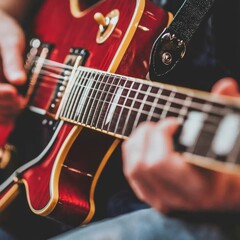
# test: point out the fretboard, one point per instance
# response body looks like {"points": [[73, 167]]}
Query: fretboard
{"points": [[116, 104]]}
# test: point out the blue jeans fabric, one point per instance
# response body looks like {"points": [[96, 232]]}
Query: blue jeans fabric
{"points": [[145, 224], [5, 236]]}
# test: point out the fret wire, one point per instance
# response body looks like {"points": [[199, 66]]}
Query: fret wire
{"points": [[210, 153], [232, 157], [193, 147], [141, 107], [167, 105], [208, 108], [191, 104], [186, 105], [97, 111], [116, 87], [154, 104], [157, 116], [83, 97], [131, 110], [70, 86], [64, 66], [92, 96], [116, 104], [123, 105], [82, 78], [95, 102], [216, 110], [76, 94], [160, 106]]}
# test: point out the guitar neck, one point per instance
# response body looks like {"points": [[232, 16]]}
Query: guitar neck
{"points": [[115, 105]]}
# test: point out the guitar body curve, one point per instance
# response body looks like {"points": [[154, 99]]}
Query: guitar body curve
{"points": [[61, 180]]}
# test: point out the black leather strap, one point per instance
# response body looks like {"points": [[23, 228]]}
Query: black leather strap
{"points": [[170, 46]]}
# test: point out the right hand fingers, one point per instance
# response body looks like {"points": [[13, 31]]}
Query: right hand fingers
{"points": [[10, 103], [12, 44]]}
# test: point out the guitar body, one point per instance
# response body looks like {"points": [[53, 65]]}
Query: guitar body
{"points": [[62, 176]]}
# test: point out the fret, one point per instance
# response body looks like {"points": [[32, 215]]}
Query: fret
{"points": [[197, 104], [115, 106], [148, 103], [135, 117], [154, 105], [98, 99], [81, 100], [202, 146], [100, 109], [127, 101], [161, 102], [185, 107], [76, 71], [93, 98], [234, 156], [167, 106], [132, 110], [79, 83], [226, 136], [69, 91], [197, 146], [139, 113], [102, 117]]}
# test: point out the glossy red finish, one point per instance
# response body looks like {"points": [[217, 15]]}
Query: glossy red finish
{"points": [[55, 24], [38, 177], [74, 198]]}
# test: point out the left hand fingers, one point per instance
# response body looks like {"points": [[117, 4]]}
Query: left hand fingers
{"points": [[227, 87]]}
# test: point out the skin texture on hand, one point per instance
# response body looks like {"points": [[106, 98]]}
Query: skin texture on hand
{"points": [[162, 178], [12, 43]]}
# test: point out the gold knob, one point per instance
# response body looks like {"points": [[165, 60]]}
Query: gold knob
{"points": [[100, 19]]}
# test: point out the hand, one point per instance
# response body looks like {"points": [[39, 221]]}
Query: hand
{"points": [[162, 178], [12, 43]]}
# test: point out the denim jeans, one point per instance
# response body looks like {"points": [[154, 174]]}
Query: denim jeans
{"points": [[145, 224]]}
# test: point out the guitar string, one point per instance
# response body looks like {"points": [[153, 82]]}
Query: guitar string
{"points": [[126, 78], [50, 63], [133, 91], [209, 121], [158, 106], [175, 100], [151, 95], [206, 125], [53, 76]]}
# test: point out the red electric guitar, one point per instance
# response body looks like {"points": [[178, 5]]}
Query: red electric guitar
{"points": [[85, 95]]}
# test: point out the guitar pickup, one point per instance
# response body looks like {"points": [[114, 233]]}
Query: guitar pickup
{"points": [[76, 57]]}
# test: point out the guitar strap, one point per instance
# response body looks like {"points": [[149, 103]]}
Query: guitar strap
{"points": [[170, 46]]}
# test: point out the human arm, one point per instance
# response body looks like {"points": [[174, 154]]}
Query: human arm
{"points": [[161, 177]]}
